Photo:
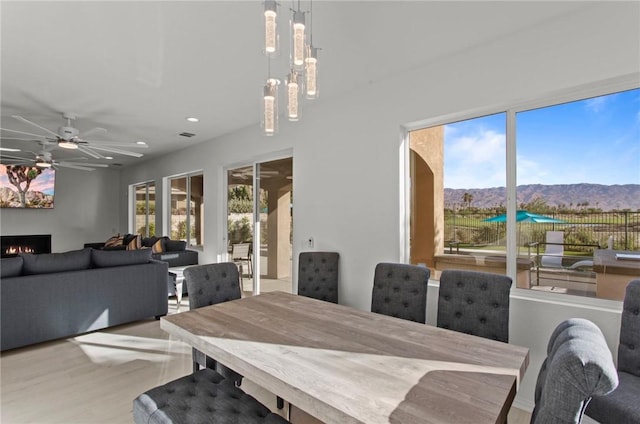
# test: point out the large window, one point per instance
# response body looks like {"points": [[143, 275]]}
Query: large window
{"points": [[546, 192], [187, 209], [145, 209]]}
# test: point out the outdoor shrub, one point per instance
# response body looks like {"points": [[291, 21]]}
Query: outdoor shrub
{"points": [[239, 230]]}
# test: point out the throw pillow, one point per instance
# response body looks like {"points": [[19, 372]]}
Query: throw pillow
{"points": [[135, 243], [10, 267], [46, 263], [109, 258], [157, 246], [114, 241]]}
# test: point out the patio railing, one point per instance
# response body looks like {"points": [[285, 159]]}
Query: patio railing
{"points": [[583, 230]]}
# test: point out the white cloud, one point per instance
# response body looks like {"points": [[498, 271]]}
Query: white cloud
{"points": [[530, 172], [475, 161], [596, 104]]}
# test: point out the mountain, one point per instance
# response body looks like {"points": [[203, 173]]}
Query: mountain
{"points": [[605, 197]]}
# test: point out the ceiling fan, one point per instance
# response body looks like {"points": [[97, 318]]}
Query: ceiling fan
{"points": [[69, 137], [44, 159]]}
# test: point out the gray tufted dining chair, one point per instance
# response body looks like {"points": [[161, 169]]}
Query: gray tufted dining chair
{"points": [[622, 406], [210, 284], [318, 275], [475, 303], [201, 397], [400, 290], [578, 366]]}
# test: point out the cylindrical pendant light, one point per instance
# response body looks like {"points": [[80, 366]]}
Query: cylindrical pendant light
{"points": [[270, 27], [293, 92], [311, 73], [297, 40], [270, 107]]}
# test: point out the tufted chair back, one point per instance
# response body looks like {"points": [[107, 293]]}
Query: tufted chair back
{"points": [[578, 366], [629, 347], [318, 275], [400, 290], [475, 303], [212, 283]]}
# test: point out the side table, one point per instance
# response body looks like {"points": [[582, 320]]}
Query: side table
{"points": [[177, 275]]}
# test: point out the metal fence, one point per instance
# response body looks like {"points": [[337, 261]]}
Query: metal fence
{"points": [[582, 230]]}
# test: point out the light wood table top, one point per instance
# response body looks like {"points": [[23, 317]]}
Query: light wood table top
{"points": [[343, 365]]}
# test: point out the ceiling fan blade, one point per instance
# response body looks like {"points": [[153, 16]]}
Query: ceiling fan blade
{"points": [[14, 157], [26, 121], [116, 144], [90, 152], [18, 139], [122, 152], [92, 131], [81, 165], [25, 133], [73, 166]]}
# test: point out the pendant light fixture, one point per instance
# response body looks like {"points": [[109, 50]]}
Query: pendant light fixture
{"points": [[303, 63], [270, 103], [293, 93], [311, 62], [271, 39], [297, 38]]}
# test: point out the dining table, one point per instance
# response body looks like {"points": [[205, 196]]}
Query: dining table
{"points": [[340, 364]]}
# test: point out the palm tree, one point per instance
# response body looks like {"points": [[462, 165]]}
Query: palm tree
{"points": [[467, 198]]}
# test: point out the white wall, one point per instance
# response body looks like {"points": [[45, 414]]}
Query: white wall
{"points": [[86, 209], [346, 153]]}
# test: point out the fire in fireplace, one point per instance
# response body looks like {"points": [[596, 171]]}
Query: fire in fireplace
{"points": [[34, 243]]}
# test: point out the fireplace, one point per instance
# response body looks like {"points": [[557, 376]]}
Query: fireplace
{"points": [[34, 243]]}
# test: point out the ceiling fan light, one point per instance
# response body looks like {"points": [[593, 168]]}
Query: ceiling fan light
{"points": [[67, 144], [42, 163]]}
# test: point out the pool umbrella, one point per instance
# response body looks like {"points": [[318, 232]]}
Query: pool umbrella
{"points": [[524, 216]]}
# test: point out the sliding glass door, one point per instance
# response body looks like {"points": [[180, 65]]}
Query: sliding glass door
{"points": [[260, 216]]}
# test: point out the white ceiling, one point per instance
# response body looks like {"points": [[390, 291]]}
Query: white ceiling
{"points": [[139, 69]]}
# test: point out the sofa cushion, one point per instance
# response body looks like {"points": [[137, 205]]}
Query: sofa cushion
{"points": [[108, 258], [46, 263], [11, 267], [175, 245]]}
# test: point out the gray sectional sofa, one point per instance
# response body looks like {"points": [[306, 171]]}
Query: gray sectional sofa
{"points": [[50, 296]]}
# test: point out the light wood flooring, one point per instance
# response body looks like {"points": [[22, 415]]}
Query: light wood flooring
{"points": [[94, 378]]}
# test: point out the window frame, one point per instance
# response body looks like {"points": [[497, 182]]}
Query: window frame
{"points": [[577, 93], [166, 206], [133, 205]]}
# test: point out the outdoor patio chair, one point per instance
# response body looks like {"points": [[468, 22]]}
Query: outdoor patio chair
{"points": [[400, 290], [553, 251], [621, 406], [475, 302], [241, 254], [578, 366]]}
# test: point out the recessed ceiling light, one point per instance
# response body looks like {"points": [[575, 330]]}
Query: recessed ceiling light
{"points": [[190, 119], [140, 142], [109, 157], [9, 149]]}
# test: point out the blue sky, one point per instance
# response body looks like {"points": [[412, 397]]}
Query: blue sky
{"points": [[589, 141]]}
